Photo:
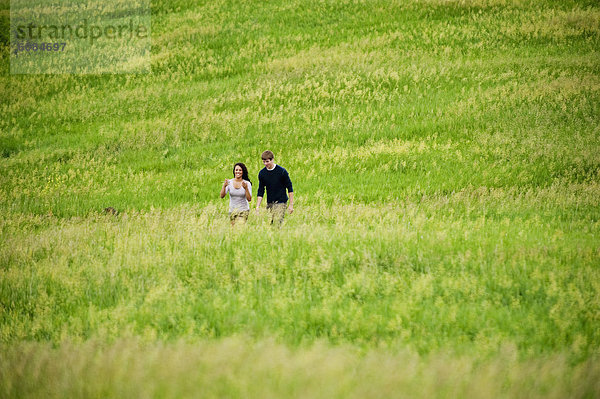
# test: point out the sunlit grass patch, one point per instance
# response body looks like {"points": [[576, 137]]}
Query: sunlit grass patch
{"points": [[556, 25]]}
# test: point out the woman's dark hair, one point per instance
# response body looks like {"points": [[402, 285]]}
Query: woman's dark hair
{"points": [[244, 171]]}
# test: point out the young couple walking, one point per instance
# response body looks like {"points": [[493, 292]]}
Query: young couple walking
{"points": [[274, 178]]}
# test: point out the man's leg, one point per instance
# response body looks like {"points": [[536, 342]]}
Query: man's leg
{"points": [[277, 211]]}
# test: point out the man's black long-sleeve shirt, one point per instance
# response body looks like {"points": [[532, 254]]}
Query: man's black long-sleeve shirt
{"points": [[276, 180]]}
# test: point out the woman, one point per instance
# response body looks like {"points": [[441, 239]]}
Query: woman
{"points": [[240, 193]]}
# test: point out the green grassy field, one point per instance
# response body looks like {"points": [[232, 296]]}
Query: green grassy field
{"points": [[445, 156]]}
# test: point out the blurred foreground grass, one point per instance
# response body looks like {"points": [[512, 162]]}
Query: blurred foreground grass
{"points": [[241, 368]]}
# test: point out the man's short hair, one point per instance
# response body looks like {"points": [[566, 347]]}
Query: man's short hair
{"points": [[267, 155]]}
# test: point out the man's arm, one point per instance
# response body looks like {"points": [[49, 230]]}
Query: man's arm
{"points": [[287, 182], [258, 201]]}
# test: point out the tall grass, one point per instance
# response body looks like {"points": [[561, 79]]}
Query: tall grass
{"points": [[240, 368], [422, 276], [445, 160]]}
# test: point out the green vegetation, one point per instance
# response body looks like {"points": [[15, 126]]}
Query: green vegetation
{"points": [[445, 156]]}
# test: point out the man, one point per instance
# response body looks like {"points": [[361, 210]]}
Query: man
{"points": [[276, 180]]}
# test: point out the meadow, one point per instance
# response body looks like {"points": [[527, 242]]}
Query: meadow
{"points": [[445, 156]]}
